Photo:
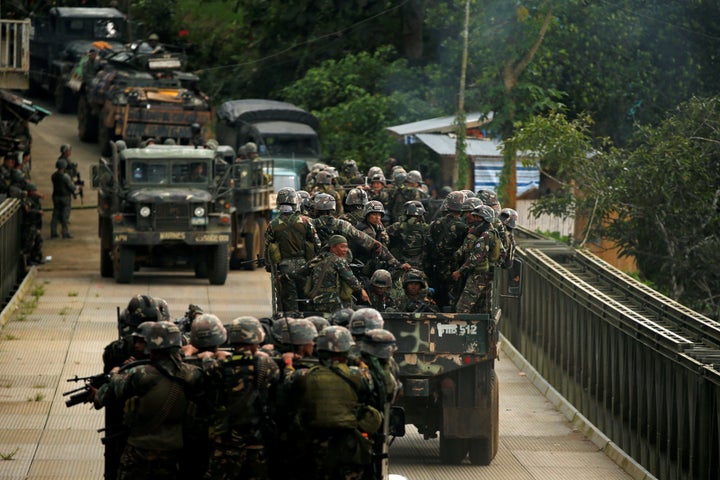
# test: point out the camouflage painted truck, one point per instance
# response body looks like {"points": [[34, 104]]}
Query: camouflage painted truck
{"points": [[163, 206], [137, 96]]}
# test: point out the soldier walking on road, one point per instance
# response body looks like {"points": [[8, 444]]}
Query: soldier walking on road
{"points": [[63, 192]]}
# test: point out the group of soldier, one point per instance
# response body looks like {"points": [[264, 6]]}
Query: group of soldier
{"points": [[66, 183], [305, 398], [392, 248]]}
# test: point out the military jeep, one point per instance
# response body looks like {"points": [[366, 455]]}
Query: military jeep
{"points": [[163, 206]]}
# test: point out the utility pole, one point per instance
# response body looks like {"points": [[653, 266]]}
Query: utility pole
{"points": [[461, 165]]}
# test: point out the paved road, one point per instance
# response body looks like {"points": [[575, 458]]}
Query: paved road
{"points": [[68, 315]]}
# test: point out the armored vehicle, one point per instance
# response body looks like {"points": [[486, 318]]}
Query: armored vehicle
{"points": [[163, 206], [136, 96], [60, 36]]}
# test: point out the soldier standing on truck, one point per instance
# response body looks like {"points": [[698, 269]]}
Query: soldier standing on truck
{"points": [[290, 241]]}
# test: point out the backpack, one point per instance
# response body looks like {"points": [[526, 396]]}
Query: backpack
{"points": [[496, 249]]}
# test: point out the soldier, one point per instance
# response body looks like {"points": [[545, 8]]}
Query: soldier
{"points": [[508, 217], [32, 225], [379, 292], [327, 225], [351, 173], [474, 223], [140, 308], [408, 190], [207, 334], [446, 236], [362, 320], [63, 191], [372, 225], [333, 412], [478, 266], [240, 388], [156, 396], [333, 283], [341, 317], [290, 241], [185, 323], [490, 199], [415, 296], [304, 203], [355, 200], [324, 184], [409, 235]]}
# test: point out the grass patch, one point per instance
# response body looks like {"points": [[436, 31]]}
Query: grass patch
{"points": [[72, 294], [39, 386], [8, 336], [64, 311], [9, 455], [38, 290], [38, 397]]}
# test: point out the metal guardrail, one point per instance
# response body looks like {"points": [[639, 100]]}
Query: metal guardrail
{"points": [[11, 267], [647, 377]]}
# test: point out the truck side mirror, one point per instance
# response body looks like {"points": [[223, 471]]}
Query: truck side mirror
{"points": [[514, 285]]}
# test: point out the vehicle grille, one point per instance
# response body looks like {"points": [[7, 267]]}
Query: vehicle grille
{"points": [[172, 216]]}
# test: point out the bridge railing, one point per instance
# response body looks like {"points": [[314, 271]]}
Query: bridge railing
{"points": [[645, 385], [11, 265]]}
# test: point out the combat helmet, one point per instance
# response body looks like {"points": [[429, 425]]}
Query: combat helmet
{"points": [[470, 203], [140, 308], [373, 206], [381, 278], [356, 196], [488, 197], [319, 322], [413, 208], [365, 319], [323, 177], [378, 177], [334, 339], [207, 331], [287, 196], [469, 193], [162, 336], [245, 329], [280, 330], [413, 176], [65, 148], [508, 217], [414, 275], [487, 213], [341, 317], [454, 200], [302, 331], [61, 163], [378, 343], [324, 202], [374, 170], [164, 309]]}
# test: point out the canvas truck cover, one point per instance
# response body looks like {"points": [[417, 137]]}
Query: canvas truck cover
{"points": [[258, 110]]}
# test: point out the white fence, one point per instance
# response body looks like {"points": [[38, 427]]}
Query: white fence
{"points": [[14, 54], [545, 223]]}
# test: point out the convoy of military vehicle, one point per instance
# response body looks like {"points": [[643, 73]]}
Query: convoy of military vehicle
{"points": [[168, 197]]}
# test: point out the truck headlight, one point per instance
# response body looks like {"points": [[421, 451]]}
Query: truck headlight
{"points": [[199, 211], [145, 211]]}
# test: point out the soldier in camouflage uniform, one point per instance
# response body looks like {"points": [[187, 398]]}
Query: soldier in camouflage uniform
{"points": [[341, 317], [241, 388], [508, 217], [304, 203], [446, 236], [32, 242], [409, 235], [351, 173], [372, 225], [324, 184], [333, 412], [474, 223], [414, 297], [156, 397], [207, 334], [333, 283], [381, 284], [407, 191], [477, 268], [355, 200], [290, 241]]}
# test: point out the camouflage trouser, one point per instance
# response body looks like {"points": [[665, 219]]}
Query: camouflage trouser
{"points": [[336, 455], [475, 297], [60, 215], [236, 458], [289, 289], [141, 464]]}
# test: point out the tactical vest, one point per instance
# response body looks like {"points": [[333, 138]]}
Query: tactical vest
{"points": [[330, 402], [412, 235], [240, 394], [290, 233]]}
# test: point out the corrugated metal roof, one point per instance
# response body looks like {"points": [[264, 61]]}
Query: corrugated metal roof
{"points": [[445, 145], [440, 124]]}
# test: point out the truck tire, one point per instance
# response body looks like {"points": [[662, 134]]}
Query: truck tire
{"points": [[125, 265], [106, 263], [483, 449], [452, 450], [219, 264], [87, 122]]}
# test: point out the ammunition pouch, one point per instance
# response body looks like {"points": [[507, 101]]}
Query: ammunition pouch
{"points": [[369, 419], [274, 253]]}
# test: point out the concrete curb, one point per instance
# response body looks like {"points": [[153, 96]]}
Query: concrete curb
{"points": [[17, 297], [617, 455]]}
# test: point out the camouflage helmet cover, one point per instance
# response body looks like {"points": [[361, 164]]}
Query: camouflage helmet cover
{"points": [[488, 197], [324, 202], [413, 176], [319, 322], [470, 203], [454, 200], [373, 206], [302, 331], [378, 177], [356, 196], [140, 308], [245, 329], [378, 343], [287, 196], [508, 217], [381, 278], [365, 319], [341, 317], [207, 331], [323, 177], [413, 275], [487, 213], [280, 330], [413, 208], [374, 170], [164, 309], [334, 339], [162, 335], [469, 193]]}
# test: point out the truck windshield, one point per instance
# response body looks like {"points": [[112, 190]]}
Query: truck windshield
{"points": [[281, 146], [169, 172]]}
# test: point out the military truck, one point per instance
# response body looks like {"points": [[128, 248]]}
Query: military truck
{"points": [[163, 206], [60, 36], [137, 96], [281, 130]]}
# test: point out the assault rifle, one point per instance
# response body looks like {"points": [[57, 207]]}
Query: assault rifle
{"points": [[82, 394], [77, 180]]}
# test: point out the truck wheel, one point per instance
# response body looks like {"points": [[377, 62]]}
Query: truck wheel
{"points": [[87, 122], [106, 263], [452, 450], [125, 265], [65, 101], [483, 450], [218, 265]]}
